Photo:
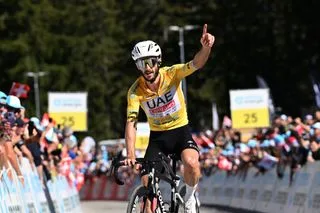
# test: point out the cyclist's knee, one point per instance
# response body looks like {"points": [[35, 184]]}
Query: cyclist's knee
{"points": [[190, 159], [192, 164]]}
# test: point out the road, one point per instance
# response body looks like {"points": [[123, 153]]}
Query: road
{"points": [[120, 207]]}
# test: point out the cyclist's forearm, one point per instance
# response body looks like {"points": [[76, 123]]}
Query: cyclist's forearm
{"points": [[201, 57], [130, 138], [206, 41]]}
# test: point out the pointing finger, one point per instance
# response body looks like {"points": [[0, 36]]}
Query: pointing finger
{"points": [[204, 31]]}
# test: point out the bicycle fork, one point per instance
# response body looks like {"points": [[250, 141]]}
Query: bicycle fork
{"points": [[175, 196], [160, 198]]}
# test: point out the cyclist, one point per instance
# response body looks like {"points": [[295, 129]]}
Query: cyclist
{"points": [[159, 93]]}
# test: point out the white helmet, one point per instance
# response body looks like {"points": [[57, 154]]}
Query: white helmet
{"points": [[146, 49]]}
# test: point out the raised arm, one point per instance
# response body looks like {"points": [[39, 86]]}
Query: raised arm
{"points": [[207, 41]]}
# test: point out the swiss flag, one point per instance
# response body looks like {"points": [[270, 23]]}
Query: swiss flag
{"points": [[20, 90]]}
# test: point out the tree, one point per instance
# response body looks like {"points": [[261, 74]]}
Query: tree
{"points": [[86, 45]]}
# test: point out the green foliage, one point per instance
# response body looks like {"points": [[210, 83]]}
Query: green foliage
{"points": [[86, 45]]}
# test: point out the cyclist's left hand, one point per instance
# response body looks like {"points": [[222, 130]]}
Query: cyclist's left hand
{"points": [[130, 161], [207, 40]]}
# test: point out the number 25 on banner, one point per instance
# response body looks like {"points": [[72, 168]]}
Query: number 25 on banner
{"points": [[76, 120], [250, 118], [67, 121]]}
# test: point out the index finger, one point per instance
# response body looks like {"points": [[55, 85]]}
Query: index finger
{"points": [[204, 31]]}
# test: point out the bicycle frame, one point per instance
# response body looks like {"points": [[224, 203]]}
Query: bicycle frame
{"points": [[154, 176], [153, 182]]}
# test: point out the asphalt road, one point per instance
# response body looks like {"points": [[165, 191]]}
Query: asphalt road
{"points": [[120, 207]]}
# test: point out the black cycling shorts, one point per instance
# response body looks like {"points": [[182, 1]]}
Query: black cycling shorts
{"points": [[170, 142]]}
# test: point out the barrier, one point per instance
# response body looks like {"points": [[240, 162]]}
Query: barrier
{"points": [[247, 190], [251, 191], [236, 199], [31, 198], [229, 191], [265, 192], [104, 188], [313, 205], [298, 198]]}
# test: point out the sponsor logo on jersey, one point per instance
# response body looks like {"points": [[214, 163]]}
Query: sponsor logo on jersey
{"points": [[163, 105]]}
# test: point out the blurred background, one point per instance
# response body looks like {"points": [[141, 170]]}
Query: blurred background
{"points": [[86, 46]]}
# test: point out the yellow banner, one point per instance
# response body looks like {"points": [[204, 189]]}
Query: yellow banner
{"points": [[250, 118], [76, 120], [142, 142]]}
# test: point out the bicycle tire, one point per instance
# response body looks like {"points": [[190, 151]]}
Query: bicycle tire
{"points": [[134, 205], [182, 192]]}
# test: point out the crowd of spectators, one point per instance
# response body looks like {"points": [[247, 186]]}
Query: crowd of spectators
{"points": [[288, 144], [101, 163], [50, 149]]}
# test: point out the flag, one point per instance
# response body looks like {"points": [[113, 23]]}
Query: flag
{"points": [[20, 90], [315, 80], [215, 117], [263, 84]]}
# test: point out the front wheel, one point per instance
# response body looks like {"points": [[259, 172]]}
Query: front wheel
{"points": [[138, 199], [180, 206]]}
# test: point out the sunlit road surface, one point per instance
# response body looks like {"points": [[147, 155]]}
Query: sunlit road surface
{"points": [[120, 207]]}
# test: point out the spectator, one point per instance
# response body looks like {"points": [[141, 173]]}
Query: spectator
{"points": [[88, 144], [18, 141], [308, 120], [32, 139], [316, 131], [13, 106], [317, 115], [314, 150]]}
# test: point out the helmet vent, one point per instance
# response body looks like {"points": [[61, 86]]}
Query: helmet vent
{"points": [[145, 49]]}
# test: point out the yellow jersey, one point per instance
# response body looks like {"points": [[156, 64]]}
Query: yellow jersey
{"points": [[166, 108]]}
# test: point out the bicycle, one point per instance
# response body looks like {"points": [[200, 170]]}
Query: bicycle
{"points": [[152, 192]]}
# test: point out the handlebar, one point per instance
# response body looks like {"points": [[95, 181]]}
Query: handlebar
{"points": [[114, 170], [163, 159], [115, 165]]}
